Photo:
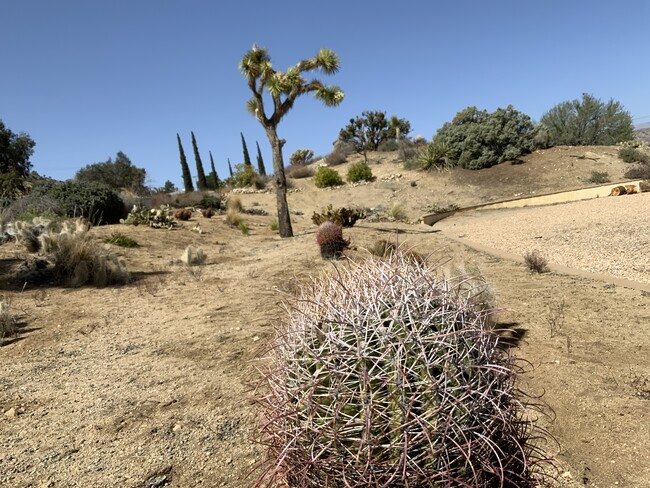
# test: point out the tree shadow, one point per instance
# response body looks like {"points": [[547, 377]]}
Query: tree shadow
{"points": [[19, 334]]}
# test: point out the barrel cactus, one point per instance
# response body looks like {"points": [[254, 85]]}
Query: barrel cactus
{"points": [[329, 237], [385, 375]]}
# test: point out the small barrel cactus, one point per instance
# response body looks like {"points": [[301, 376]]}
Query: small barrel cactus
{"points": [[386, 376], [329, 237]]}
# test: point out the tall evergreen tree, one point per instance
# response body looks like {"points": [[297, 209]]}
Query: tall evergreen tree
{"points": [[260, 162], [247, 158], [213, 177], [229, 167], [187, 176], [201, 179]]}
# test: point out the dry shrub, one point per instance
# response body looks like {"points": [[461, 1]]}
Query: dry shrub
{"points": [[535, 262], [7, 320], [207, 212], [644, 186], [385, 249], [183, 213], [193, 256], [300, 170], [233, 217], [335, 158], [234, 203]]}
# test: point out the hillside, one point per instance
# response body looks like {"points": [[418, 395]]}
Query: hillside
{"points": [[149, 384]]}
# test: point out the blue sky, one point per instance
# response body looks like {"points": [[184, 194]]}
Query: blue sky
{"points": [[88, 78]]}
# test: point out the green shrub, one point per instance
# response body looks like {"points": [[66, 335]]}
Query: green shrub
{"points": [[476, 139], [93, 201], [275, 226], [634, 155], [360, 172], [599, 177], [587, 122], [243, 176], [345, 217], [386, 375], [327, 177], [121, 240], [244, 228], [209, 200]]}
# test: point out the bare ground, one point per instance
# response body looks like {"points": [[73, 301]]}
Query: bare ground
{"points": [[148, 384]]}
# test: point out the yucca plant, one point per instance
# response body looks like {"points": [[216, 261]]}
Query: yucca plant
{"points": [[385, 375]]}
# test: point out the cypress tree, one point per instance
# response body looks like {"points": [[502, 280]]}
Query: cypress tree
{"points": [[229, 167], [187, 176], [201, 180], [260, 162], [247, 158], [213, 177]]}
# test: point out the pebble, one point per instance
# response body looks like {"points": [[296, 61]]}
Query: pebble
{"points": [[11, 412]]}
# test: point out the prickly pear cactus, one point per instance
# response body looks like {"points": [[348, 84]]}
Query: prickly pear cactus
{"points": [[384, 375]]}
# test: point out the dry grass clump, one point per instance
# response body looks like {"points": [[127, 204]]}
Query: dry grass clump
{"points": [[300, 170], [385, 249], [75, 255], [193, 256], [234, 203], [7, 320], [535, 262]]}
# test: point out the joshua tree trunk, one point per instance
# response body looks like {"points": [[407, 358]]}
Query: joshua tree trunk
{"points": [[284, 221]]}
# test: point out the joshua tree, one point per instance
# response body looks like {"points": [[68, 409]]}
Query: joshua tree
{"points": [[284, 88]]}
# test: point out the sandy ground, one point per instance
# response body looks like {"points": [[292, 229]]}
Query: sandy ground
{"points": [[149, 384]]}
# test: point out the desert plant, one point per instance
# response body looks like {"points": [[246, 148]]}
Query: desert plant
{"points": [[207, 212], [476, 139], [93, 201], [360, 172], [284, 88], [384, 249], [300, 170], [327, 177], [244, 228], [638, 171], [599, 177], [329, 237], [121, 240], [183, 213], [209, 200], [535, 261], [243, 176], [158, 218], [631, 154], [78, 259], [644, 186], [335, 158], [193, 256], [274, 226], [369, 130], [589, 121], [397, 213], [7, 319], [234, 204], [302, 156], [345, 217], [234, 217], [385, 376], [435, 156]]}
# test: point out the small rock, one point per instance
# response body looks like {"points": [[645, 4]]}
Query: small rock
{"points": [[11, 412], [256, 338], [177, 427]]}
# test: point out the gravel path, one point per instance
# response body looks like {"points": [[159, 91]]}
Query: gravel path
{"points": [[605, 235]]}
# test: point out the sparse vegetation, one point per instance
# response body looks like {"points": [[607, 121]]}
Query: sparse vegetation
{"points": [[634, 154], [599, 177], [7, 319], [327, 177], [359, 172], [335, 158], [244, 228], [536, 262], [345, 217], [349, 336], [397, 213], [300, 170], [121, 240], [301, 157], [158, 218]]}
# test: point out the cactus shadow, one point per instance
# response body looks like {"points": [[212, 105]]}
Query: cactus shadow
{"points": [[510, 334]]}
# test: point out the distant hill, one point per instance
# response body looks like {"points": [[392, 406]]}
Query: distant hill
{"points": [[643, 135]]}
